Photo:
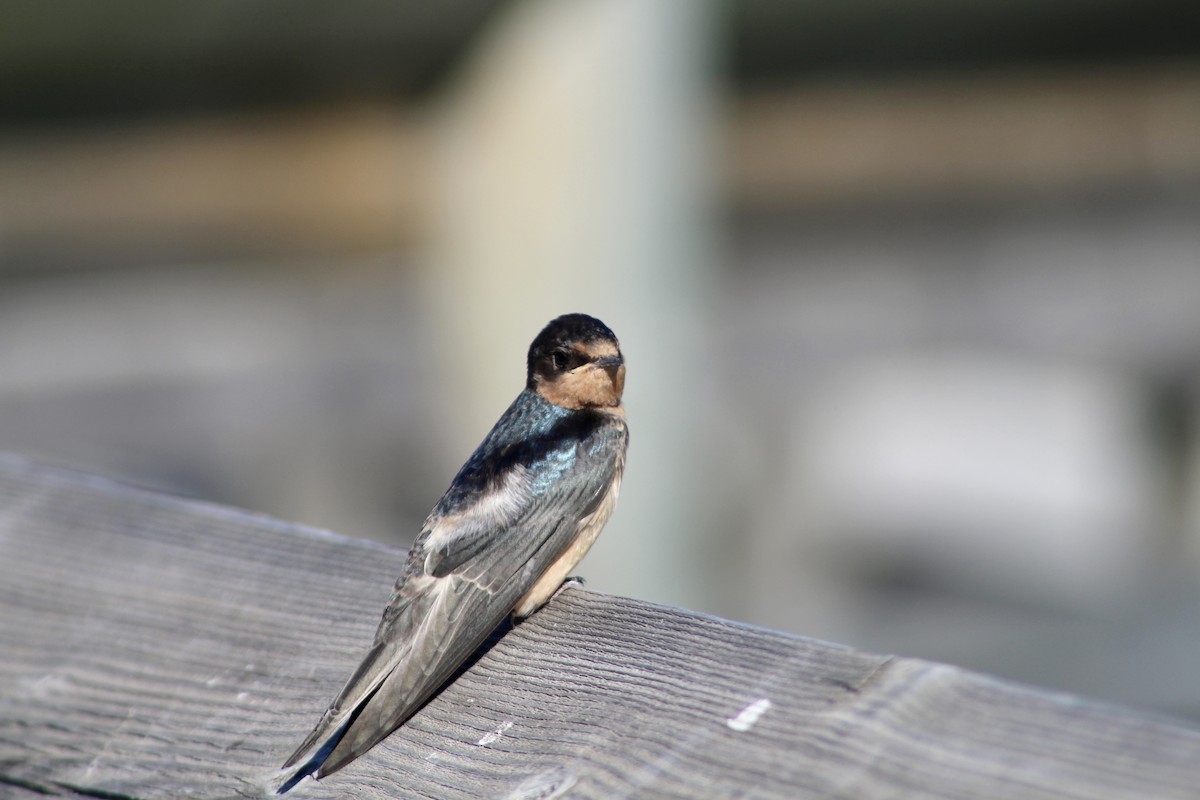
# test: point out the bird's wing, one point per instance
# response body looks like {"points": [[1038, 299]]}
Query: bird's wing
{"points": [[465, 573]]}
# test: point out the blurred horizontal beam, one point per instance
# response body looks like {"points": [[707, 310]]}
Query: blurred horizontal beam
{"points": [[848, 143], [362, 178], [318, 181], [772, 40], [75, 60]]}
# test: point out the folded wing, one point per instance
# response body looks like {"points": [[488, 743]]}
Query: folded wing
{"points": [[464, 574]]}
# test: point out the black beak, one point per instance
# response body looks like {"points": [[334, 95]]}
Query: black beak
{"points": [[609, 363]]}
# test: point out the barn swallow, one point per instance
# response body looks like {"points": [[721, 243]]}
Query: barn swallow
{"points": [[517, 518]]}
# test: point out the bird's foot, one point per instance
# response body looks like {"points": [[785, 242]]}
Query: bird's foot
{"points": [[572, 581]]}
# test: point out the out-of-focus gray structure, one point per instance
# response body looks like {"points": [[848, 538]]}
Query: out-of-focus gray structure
{"points": [[910, 292]]}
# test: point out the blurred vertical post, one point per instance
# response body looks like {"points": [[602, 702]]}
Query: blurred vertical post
{"points": [[576, 175]]}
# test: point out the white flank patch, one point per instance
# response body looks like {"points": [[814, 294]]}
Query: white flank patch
{"points": [[750, 714], [488, 738]]}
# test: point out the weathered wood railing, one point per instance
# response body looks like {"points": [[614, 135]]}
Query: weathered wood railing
{"points": [[157, 648]]}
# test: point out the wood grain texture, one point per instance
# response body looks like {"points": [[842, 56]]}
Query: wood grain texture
{"points": [[159, 648]]}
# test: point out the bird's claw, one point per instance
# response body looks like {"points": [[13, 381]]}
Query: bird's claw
{"points": [[572, 581]]}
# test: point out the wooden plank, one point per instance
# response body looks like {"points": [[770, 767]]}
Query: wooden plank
{"points": [[160, 648]]}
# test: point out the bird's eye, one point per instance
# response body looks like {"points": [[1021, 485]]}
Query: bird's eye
{"points": [[559, 359]]}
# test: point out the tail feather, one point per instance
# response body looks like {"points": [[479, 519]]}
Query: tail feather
{"points": [[314, 764]]}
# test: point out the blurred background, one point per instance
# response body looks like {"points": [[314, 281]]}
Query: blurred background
{"points": [[909, 291]]}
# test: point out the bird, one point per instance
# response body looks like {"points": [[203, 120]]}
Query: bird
{"points": [[516, 520]]}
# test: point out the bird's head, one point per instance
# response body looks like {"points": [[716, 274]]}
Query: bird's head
{"points": [[576, 362]]}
